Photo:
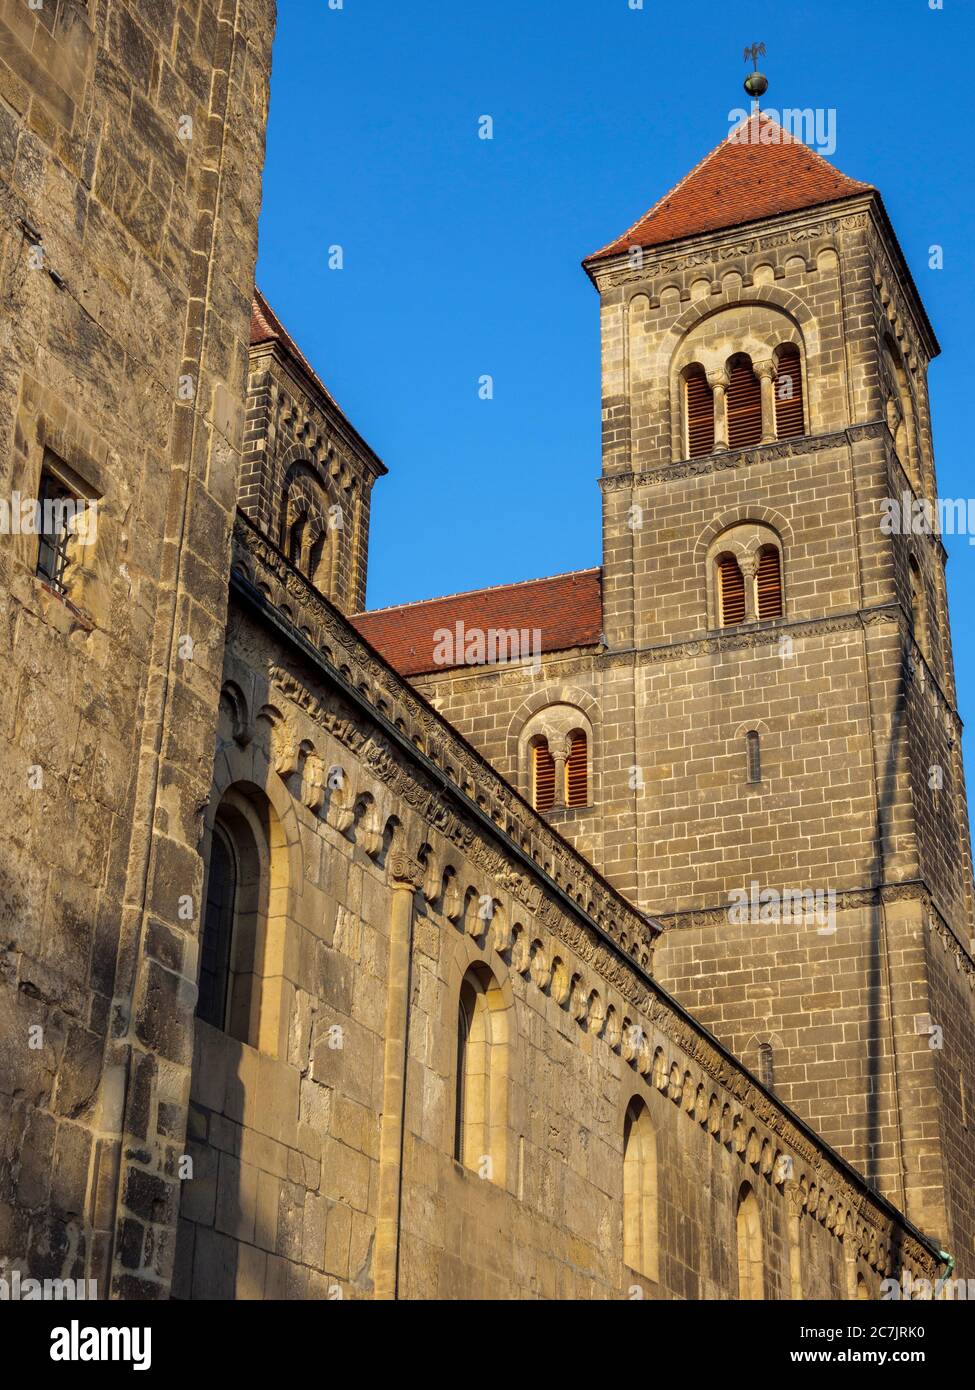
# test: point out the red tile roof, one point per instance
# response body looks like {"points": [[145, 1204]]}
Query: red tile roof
{"points": [[566, 609], [757, 171], [266, 327]]}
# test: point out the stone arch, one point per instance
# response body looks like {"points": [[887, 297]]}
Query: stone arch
{"points": [[793, 319], [478, 1119], [553, 714], [755, 515], [748, 544], [641, 1198], [261, 830], [748, 1243]]}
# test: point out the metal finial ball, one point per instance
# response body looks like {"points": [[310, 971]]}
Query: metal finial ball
{"points": [[756, 84]]}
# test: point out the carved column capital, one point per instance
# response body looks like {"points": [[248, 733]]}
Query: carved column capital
{"points": [[405, 872]]}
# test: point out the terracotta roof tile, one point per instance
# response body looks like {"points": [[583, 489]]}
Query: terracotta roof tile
{"points": [[758, 170], [566, 609]]}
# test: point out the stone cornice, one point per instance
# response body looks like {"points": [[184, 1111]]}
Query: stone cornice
{"points": [[743, 458], [813, 224]]}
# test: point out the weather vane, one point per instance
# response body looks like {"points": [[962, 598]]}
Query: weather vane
{"points": [[756, 83]]}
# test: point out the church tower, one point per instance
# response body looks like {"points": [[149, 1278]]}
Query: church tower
{"points": [[792, 807]]}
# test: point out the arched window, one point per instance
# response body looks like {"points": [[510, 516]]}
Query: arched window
{"points": [[640, 1191], [862, 1291], [748, 1229], [766, 1065], [577, 770], [900, 415], [480, 1125], [243, 924], [919, 615], [543, 776], [699, 408], [753, 753], [731, 591], [296, 539], [465, 1019], [789, 412], [218, 929], [744, 405], [768, 583]]}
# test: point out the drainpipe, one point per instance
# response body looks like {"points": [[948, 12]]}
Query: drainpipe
{"points": [[405, 876]]}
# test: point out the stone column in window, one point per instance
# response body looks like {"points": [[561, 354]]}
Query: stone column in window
{"points": [[765, 371], [749, 568], [719, 382], [559, 749]]}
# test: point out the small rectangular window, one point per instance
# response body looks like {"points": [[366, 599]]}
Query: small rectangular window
{"points": [[56, 508]]}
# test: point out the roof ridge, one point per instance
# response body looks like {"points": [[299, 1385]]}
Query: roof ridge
{"points": [[277, 333], [486, 589], [689, 207]]}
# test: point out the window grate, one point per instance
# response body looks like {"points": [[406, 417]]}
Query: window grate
{"points": [[744, 406], [54, 538]]}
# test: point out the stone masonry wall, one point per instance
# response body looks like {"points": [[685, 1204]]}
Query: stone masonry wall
{"points": [[298, 1188], [862, 789], [131, 145]]}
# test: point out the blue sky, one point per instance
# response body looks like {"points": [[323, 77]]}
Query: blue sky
{"points": [[461, 256]]}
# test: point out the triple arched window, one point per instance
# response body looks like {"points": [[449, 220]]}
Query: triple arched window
{"points": [[744, 404]]}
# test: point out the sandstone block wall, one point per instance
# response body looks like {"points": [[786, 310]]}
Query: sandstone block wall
{"points": [[298, 1187], [131, 144], [851, 692]]}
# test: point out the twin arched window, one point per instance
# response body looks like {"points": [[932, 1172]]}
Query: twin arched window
{"points": [[747, 582], [734, 411], [311, 528], [559, 759]]}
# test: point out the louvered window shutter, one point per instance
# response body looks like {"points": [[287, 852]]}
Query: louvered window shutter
{"points": [[789, 413], [577, 771], [543, 776], [744, 407], [731, 591], [700, 415], [769, 583]]}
